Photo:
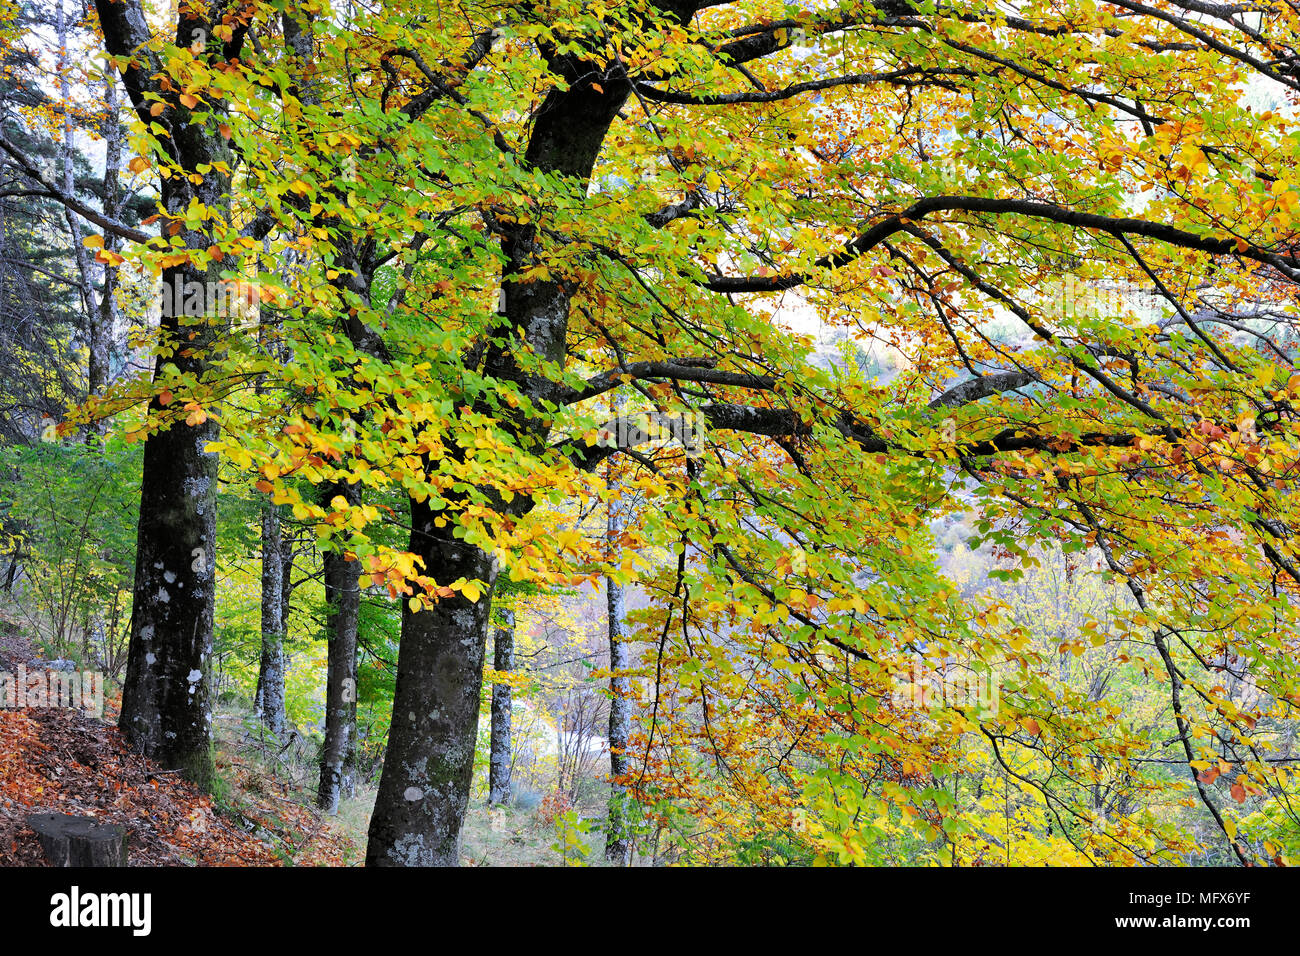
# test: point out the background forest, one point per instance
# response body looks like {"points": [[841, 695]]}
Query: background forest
{"points": [[643, 433]]}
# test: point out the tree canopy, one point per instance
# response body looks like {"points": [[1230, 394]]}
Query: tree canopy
{"points": [[483, 269]]}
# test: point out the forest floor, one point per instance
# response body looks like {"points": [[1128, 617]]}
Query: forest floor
{"points": [[60, 760], [260, 812]]}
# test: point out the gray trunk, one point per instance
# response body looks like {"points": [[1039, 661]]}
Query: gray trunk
{"points": [[165, 706], [429, 767], [620, 704], [286, 579], [343, 596], [85, 269], [501, 757], [270, 682], [104, 320], [99, 313]]}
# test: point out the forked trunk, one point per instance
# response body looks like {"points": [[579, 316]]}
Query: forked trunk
{"points": [[428, 769]]}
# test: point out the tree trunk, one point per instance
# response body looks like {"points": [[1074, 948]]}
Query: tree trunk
{"points": [[165, 707], [429, 767], [286, 579], [85, 270], [501, 757], [343, 595], [270, 682], [99, 313], [104, 321], [620, 706], [79, 841]]}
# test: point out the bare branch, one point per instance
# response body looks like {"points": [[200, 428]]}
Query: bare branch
{"points": [[1289, 265], [33, 172], [974, 389]]}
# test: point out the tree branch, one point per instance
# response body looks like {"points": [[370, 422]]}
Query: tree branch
{"points": [[33, 172], [1114, 225], [678, 370]]}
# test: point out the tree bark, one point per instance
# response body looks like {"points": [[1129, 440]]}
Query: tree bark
{"points": [[286, 579], [85, 278], [342, 620], [501, 757], [104, 322], [428, 770], [270, 682], [620, 704], [99, 312], [165, 706], [165, 700], [79, 841]]}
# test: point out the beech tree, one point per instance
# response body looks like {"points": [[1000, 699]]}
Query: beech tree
{"points": [[269, 697], [501, 755], [165, 708], [617, 846], [511, 211]]}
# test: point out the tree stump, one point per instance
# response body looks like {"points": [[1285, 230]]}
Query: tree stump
{"points": [[79, 841]]}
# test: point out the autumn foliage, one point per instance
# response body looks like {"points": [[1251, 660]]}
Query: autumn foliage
{"points": [[482, 257]]}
